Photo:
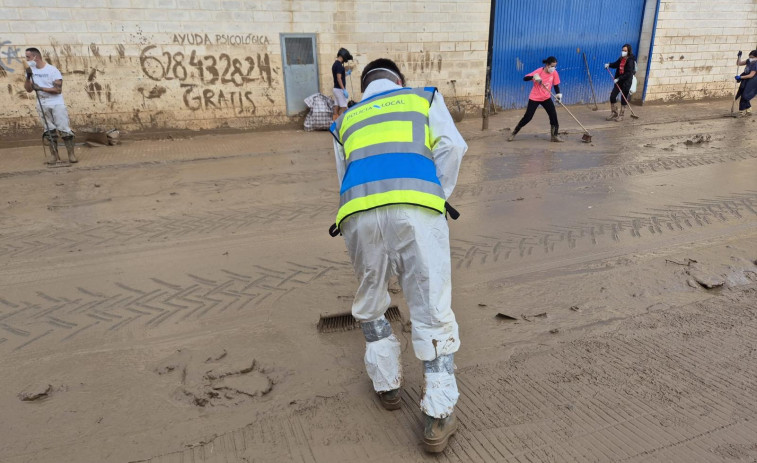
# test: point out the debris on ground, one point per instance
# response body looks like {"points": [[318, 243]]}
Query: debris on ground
{"points": [[538, 315], [36, 392], [705, 278], [504, 316], [574, 308], [99, 137], [698, 139]]}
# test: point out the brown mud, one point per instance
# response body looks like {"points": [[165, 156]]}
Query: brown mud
{"points": [[159, 301]]}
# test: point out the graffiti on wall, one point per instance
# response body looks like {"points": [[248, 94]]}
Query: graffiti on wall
{"points": [[10, 58], [220, 39], [209, 80], [224, 73], [161, 65]]}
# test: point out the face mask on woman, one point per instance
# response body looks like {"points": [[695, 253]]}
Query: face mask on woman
{"points": [[551, 69], [623, 54]]}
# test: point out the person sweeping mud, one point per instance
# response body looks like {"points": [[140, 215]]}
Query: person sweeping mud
{"points": [[747, 83], [625, 68], [544, 79], [47, 81], [398, 154]]}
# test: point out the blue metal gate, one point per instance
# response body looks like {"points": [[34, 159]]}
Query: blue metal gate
{"points": [[527, 31]]}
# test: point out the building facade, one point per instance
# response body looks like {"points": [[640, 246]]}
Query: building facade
{"points": [[207, 64]]}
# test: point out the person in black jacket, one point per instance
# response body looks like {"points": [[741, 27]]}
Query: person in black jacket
{"points": [[625, 68]]}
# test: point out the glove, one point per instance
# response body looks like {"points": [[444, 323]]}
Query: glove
{"points": [[558, 97], [738, 78], [739, 54], [349, 72], [537, 77], [616, 80], [346, 95], [607, 65]]}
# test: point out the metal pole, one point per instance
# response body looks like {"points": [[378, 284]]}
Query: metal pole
{"points": [[487, 89]]}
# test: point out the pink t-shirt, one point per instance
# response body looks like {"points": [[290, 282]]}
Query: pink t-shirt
{"points": [[538, 93]]}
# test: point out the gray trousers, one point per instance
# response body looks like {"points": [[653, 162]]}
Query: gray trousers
{"points": [[57, 118]]}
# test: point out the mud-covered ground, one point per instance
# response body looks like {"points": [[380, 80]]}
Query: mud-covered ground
{"points": [[159, 300]]}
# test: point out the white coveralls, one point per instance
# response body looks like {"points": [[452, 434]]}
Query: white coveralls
{"points": [[411, 242]]}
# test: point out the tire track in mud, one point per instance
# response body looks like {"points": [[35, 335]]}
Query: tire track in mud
{"points": [[152, 304], [494, 187], [157, 301], [19, 242], [669, 385], [671, 220]]}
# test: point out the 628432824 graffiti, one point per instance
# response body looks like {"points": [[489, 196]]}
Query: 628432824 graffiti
{"points": [[209, 69]]}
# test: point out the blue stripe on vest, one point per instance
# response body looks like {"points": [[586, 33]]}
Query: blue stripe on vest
{"points": [[389, 166]]}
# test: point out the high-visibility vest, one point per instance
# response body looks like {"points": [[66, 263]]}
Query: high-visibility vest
{"points": [[387, 147]]}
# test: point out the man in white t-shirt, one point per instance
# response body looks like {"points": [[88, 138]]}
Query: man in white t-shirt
{"points": [[47, 81]]}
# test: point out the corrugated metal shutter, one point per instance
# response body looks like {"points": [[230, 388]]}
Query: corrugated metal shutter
{"points": [[527, 31]]}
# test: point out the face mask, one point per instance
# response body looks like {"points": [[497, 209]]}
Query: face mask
{"points": [[551, 69], [624, 53], [32, 64], [752, 60]]}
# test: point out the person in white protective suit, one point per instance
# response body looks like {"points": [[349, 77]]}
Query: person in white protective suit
{"points": [[398, 154]]}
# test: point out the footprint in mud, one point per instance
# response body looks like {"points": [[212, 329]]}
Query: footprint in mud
{"points": [[215, 379]]}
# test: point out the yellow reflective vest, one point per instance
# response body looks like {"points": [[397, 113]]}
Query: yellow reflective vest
{"points": [[387, 147]]}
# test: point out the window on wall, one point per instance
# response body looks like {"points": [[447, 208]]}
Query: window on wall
{"points": [[299, 50]]}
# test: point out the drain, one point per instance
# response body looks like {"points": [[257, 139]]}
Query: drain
{"points": [[344, 321]]}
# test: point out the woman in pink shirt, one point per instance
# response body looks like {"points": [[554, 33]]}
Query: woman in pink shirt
{"points": [[548, 77]]}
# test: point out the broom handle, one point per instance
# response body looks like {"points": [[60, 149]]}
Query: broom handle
{"points": [[564, 107]]}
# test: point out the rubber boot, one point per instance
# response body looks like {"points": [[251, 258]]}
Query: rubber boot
{"points": [[513, 133], [554, 132], [52, 142], [620, 114], [437, 431], [69, 142], [390, 399], [613, 112]]}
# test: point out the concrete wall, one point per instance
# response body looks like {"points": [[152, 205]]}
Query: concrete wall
{"points": [[696, 41], [136, 64], [645, 41]]}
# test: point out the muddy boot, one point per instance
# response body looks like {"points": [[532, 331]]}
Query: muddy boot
{"points": [[613, 112], [69, 142], [437, 431], [620, 114], [513, 134], [390, 399], [747, 112], [554, 132], [52, 142]]}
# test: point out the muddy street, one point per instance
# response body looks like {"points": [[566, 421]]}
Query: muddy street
{"points": [[159, 300]]}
